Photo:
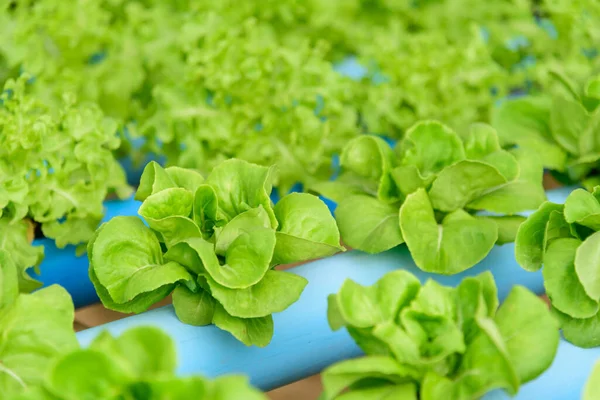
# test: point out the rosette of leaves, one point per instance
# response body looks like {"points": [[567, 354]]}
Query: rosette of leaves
{"points": [[429, 194], [433, 342], [214, 244], [41, 358], [563, 127], [565, 240], [56, 169]]}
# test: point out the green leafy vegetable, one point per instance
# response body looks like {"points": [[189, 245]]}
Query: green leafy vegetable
{"points": [[430, 195], [41, 358], [214, 244], [565, 240], [56, 169], [434, 342], [561, 126]]}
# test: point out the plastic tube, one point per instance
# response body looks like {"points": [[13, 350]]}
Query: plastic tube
{"points": [[303, 343], [65, 268]]}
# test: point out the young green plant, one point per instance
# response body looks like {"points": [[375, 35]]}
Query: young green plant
{"points": [[430, 193], [56, 169], [214, 244], [564, 240], [562, 127], [433, 342], [41, 359]]}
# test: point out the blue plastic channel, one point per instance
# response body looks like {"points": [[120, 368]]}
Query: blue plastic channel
{"points": [[65, 268], [303, 343]]}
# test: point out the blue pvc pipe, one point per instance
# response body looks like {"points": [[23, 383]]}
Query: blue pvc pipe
{"points": [[303, 343], [65, 268]]}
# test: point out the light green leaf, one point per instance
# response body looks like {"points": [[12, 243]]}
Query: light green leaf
{"points": [[368, 224], [367, 306], [14, 240], [370, 159], [306, 230], [142, 352], [346, 373], [583, 207], [568, 119], [241, 186], [530, 333], [275, 292], [404, 391], [408, 179], [486, 364], [482, 144], [431, 146], [246, 261], [246, 222], [167, 212], [36, 329], [584, 332], [9, 283], [587, 265], [127, 261], [205, 209], [524, 194], [525, 121], [529, 246], [459, 184], [185, 178], [562, 284], [556, 228], [458, 243], [250, 331], [508, 226], [193, 308], [70, 376], [154, 179]]}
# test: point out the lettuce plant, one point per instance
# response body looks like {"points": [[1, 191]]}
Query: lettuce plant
{"points": [[434, 342], [565, 239], [562, 127], [56, 169], [428, 193], [41, 358], [213, 243]]}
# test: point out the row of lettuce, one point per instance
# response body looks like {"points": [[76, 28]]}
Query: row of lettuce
{"points": [[214, 242], [200, 83]]}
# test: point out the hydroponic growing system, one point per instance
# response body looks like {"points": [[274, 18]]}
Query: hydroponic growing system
{"points": [[403, 196]]}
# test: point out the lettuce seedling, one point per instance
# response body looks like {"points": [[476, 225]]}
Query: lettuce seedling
{"points": [[41, 359], [56, 169], [565, 239], [434, 342], [562, 127], [214, 244], [428, 194]]}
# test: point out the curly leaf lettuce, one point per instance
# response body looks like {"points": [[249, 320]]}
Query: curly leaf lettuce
{"points": [[431, 194], [564, 240], [214, 243], [434, 342]]}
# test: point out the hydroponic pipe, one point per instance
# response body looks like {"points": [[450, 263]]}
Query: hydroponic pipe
{"points": [[303, 343], [65, 268]]}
